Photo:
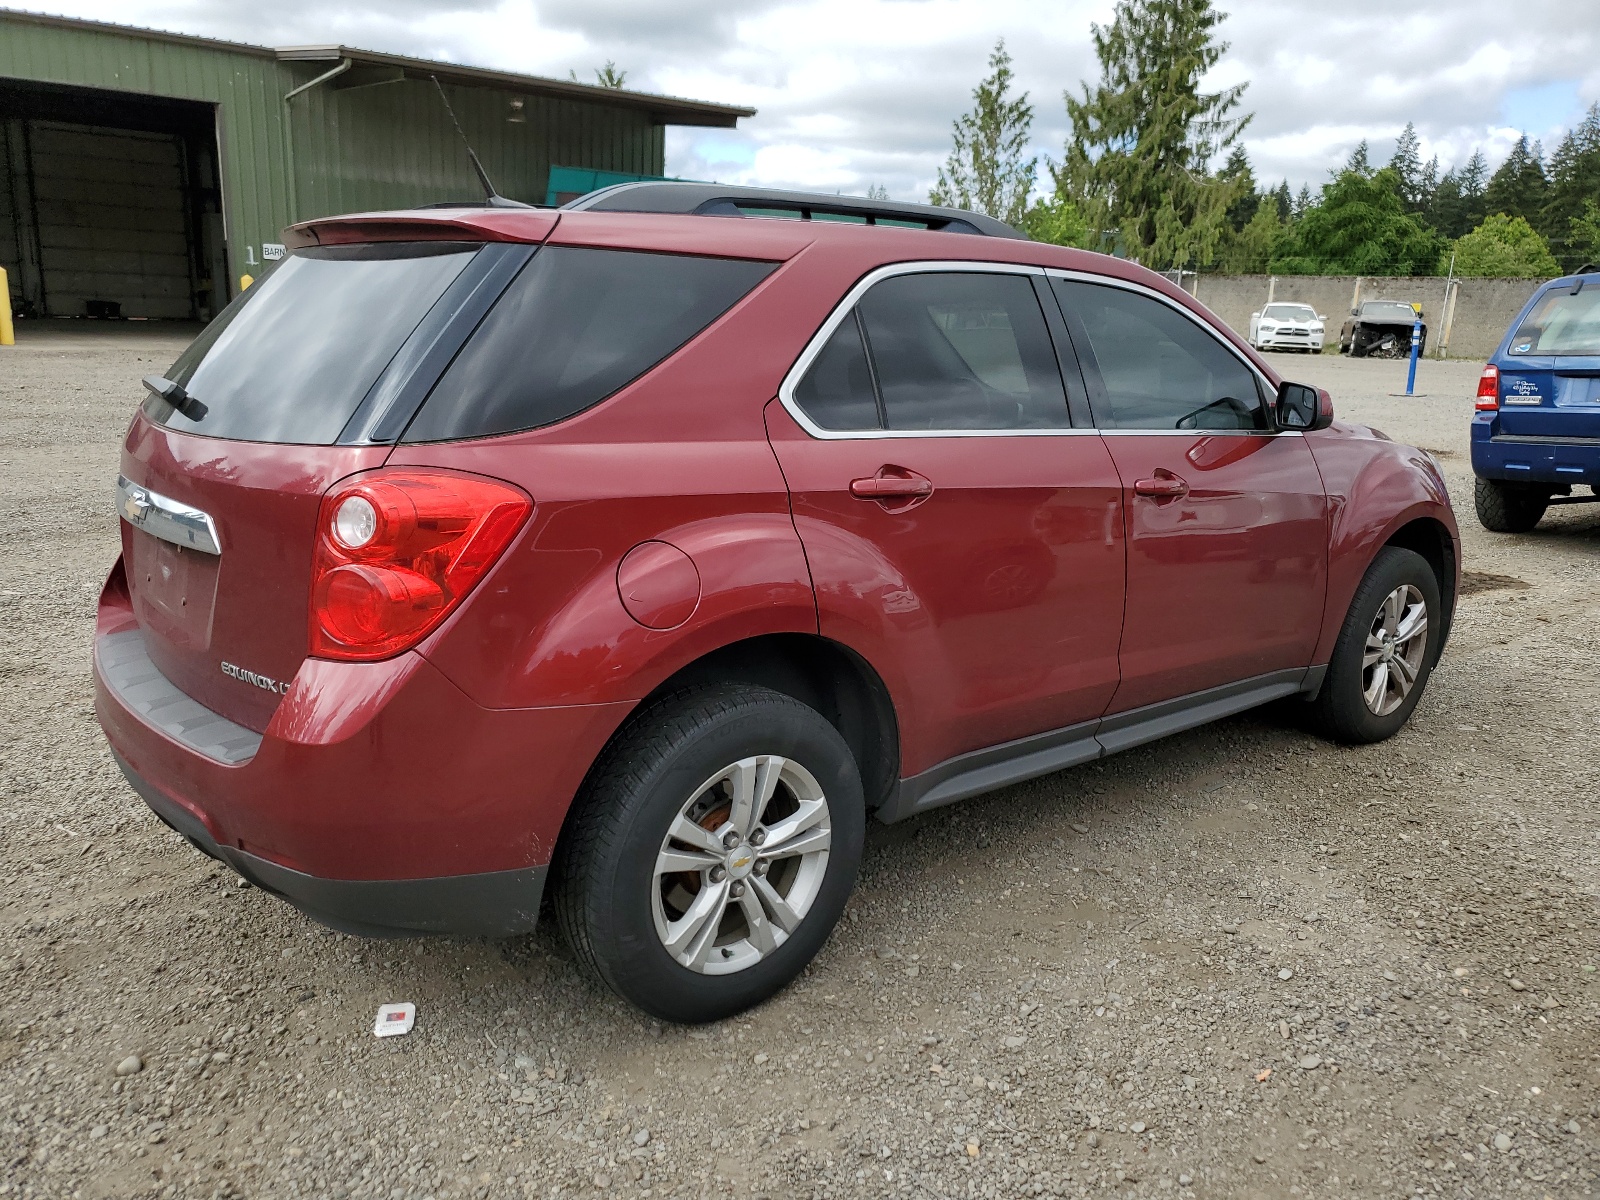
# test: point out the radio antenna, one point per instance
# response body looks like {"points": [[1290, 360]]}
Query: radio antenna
{"points": [[491, 198]]}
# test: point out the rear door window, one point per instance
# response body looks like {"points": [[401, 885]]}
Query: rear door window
{"points": [[294, 355], [1158, 368], [1561, 323], [576, 326], [837, 392]]}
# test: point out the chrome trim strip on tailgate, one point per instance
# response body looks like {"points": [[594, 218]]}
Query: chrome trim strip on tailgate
{"points": [[129, 674], [165, 518]]}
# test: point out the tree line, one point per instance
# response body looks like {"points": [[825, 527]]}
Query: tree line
{"points": [[1153, 170]]}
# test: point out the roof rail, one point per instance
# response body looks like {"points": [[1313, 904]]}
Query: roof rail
{"points": [[723, 200]]}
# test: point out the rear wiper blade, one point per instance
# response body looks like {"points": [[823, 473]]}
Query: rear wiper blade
{"points": [[174, 394]]}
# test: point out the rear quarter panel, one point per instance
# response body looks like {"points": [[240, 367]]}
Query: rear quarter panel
{"points": [[1375, 487]]}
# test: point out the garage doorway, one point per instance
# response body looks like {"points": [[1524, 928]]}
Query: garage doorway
{"points": [[111, 206]]}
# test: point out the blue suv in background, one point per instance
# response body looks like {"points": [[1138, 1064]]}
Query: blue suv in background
{"points": [[1536, 432]]}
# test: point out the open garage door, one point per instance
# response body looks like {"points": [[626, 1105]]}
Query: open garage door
{"points": [[114, 209]]}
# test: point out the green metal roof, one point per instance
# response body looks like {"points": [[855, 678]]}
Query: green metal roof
{"points": [[662, 110]]}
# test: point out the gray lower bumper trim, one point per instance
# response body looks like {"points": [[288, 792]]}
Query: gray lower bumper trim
{"points": [[493, 904], [130, 675]]}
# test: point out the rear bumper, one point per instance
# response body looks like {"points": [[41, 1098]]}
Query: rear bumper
{"points": [[1549, 460], [380, 798], [495, 904]]}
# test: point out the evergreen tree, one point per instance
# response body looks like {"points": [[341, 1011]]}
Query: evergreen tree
{"points": [[1145, 134], [1237, 170], [1520, 187], [1574, 180], [1446, 208], [986, 170], [1250, 251], [1359, 227], [1302, 202], [1358, 163], [1408, 168], [1285, 202]]}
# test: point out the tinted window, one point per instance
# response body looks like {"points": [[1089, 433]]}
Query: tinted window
{"points": [[963, 351], [837, 391], [1160, 369], [1288, 312], [1561, 323], [575, 326], [291, 358]]}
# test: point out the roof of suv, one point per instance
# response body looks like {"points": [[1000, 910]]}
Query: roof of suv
{"points": [[763, 206], [726, 200]]}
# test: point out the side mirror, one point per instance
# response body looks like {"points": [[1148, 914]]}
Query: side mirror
{"points": [[1301, 407], [1255, 316], [1355, 312], [1321, 317]]}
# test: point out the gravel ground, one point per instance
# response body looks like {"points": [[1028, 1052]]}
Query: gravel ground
{"points": [[1240, 962]]}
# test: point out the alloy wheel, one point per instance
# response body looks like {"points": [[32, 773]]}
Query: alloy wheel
{"points": [[741, 864], [1396, 642]]}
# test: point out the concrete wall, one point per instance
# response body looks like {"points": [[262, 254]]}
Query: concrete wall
{"points": [[1484, 307]]}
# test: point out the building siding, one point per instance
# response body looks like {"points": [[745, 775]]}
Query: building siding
{"points": [[335, 149]]}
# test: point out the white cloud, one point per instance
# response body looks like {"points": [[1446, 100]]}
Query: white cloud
{"points": [[860, 92]]}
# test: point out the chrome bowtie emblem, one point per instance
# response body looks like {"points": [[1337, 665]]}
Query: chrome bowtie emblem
{"points": [[136, 504]]}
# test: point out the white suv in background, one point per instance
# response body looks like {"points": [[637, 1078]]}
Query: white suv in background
{"points": [[1287, 327]]}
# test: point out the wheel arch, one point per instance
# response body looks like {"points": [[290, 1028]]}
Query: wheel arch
{"points": [[820, 673], [1430, 538]]}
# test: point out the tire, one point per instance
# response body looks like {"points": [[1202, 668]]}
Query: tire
{"points": [[1342, 711], [1508, 507], [674, 766]]}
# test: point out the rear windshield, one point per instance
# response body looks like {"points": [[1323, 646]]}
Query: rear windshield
{"points": [[574, 327], [1561, 323], [291, 358]]}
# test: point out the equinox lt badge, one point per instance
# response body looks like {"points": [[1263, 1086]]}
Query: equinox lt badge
{"points": [[250, 677]]}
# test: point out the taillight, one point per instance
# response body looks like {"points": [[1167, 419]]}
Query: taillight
{"points": [[1488, 389], [397, 550]]}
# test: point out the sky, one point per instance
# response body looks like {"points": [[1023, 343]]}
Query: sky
{"points": [[855, 93]]}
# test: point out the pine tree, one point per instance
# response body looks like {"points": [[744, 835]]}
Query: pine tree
{"points": [[1359, 163], [1237, 170], [1520, 187], [1284, 201], [1574, 180], [1144, 136], [986, 170], [1407, 166], [1302, 202]]}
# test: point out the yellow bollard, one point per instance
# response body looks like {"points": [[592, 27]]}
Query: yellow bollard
{"points": [[8, 335], [245, 281]]}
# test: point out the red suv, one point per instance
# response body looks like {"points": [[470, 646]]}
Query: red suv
{"points": [[636, 553]]}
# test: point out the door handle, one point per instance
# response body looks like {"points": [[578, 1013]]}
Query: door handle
{"points": [[1164, 485], [891, 487]]}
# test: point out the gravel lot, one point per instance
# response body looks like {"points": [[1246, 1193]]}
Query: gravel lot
{"points": [[1240, 962]]}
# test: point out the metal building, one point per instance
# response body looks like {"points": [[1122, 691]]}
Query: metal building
{"points": [[144, 172]]}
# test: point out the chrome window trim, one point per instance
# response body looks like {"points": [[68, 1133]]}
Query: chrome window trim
{"points": [[1128, 285], [843, 310], [166, 518]]}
